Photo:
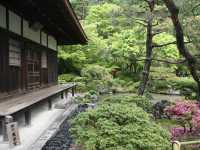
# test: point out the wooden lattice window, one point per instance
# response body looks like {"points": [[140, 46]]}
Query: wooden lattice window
{"points": [[44, 59], [33, 69], [14, 53]]}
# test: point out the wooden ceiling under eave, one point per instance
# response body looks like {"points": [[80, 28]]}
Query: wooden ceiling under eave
{"points": [[57, 16]]}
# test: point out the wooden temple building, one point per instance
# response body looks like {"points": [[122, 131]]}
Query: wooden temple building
{"points": [[30, 33]]}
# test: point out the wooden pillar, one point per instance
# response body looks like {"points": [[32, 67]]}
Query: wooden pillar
{"points": [[73, 91], [6, 120], [27, 115], [66, 94], [1, 125], [62, 95], [176, 145], [50, 104]]}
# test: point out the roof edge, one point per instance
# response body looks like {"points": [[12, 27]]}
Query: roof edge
{"points": [[75, 18]]}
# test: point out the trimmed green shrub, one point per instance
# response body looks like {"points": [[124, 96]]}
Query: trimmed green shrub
{"points": [[183, 82], [165, 82], [118, 127], [140, 101]]}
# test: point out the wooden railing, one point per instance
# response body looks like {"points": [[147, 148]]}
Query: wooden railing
{"points": [[179, 145]]}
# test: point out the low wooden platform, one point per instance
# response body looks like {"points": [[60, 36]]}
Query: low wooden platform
{"points": [[17, 104]]}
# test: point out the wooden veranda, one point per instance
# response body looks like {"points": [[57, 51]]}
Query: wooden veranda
{"points": [[25, 102]]}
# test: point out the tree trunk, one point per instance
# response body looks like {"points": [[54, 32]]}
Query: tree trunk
{"points": [[191, 61], [149, 50]]}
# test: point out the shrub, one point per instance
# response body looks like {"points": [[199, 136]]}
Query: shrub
{"points": [[90, 97], [96, 72], [97, 78], [140, 101], [187, 113], [64, 78], [159, 109], [185, 85], [123, 86], [81, 87], [183, 82], [118, 127], [183, 112], [159, 85]]}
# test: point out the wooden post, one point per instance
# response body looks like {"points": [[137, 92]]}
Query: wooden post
{"points": [[50, 104], [1, 125], [66, 94], [176, 145], [73, 91], [6, 120], [27, 115], [62, 95]]}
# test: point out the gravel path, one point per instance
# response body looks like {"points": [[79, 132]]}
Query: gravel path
{"points": [[63, 140]]}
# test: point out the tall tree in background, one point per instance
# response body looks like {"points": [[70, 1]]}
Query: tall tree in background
{"points": [[191, 61], [149, 48]]}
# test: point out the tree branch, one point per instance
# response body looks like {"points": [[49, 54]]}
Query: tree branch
{"points": [[163, 61], [167, 44]]}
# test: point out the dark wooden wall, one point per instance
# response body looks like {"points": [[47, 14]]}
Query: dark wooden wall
{"points": [[44, 71], [14, 79], [52, 67], [14, 73], [3, 61]]}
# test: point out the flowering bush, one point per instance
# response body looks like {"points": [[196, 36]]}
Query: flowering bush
{"points": [[178, 132], [187, 114], [196, 120], [182, 109]]}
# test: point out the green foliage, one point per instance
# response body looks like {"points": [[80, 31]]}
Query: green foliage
{"points": [[89, 97], [105, 17], [186, 85], [165, 80], [169, 51], [119, 127], [64, 78], [97, 78], [123, 86], [140, 101], [184, 82], [115, 39], [96, 72], [125, 48]]}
